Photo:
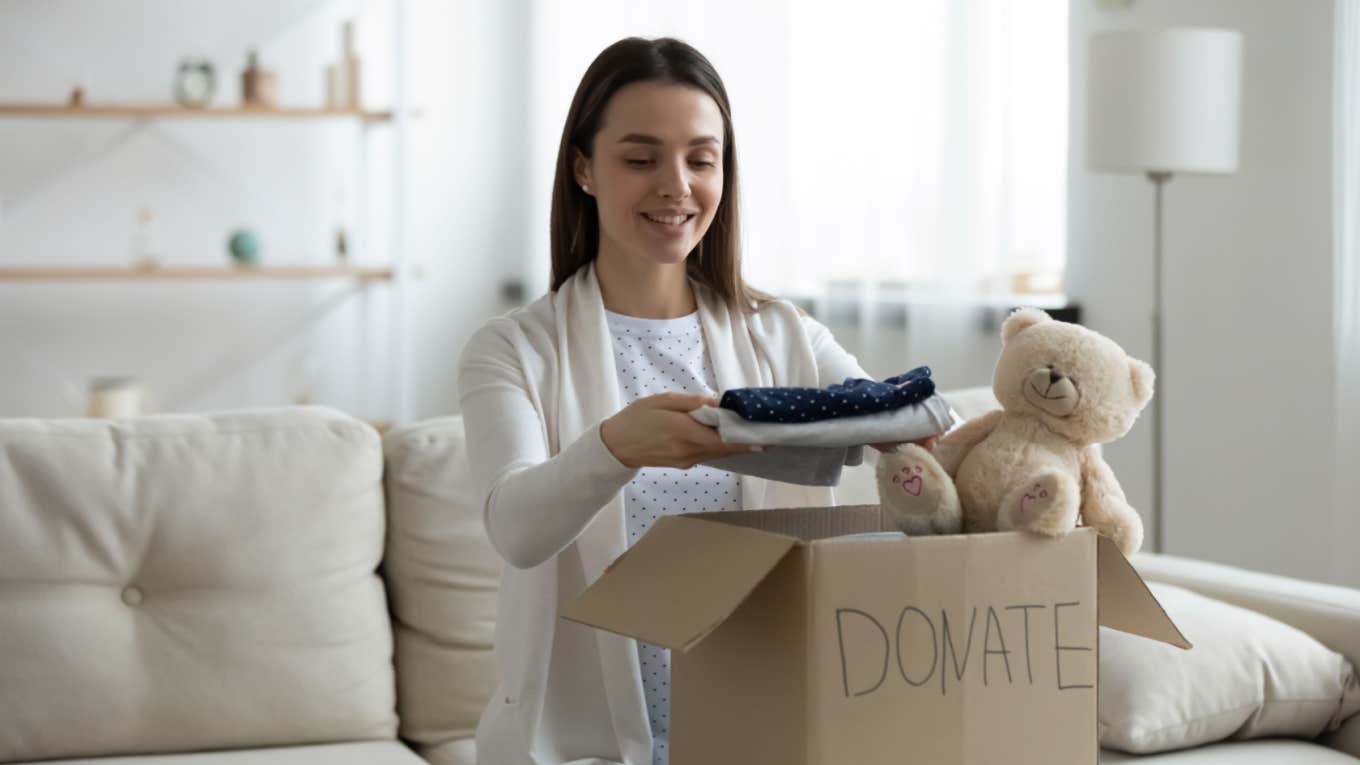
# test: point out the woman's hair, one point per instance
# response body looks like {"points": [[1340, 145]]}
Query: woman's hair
{"points": [[575, 231]]}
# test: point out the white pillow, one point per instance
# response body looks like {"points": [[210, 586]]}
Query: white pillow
{"points": [[1248, 676]]}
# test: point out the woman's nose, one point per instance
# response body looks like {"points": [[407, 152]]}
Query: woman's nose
{"points": [[674, 182]]}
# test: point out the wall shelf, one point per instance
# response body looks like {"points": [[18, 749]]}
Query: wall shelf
{"points": [[172, 111], [369, 208], [191, 273]]}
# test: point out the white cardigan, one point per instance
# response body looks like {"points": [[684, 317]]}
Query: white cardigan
{"points": [[534, 386]]}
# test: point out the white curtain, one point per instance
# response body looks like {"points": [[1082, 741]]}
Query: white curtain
{"points": [[1346, 212], [915, 147]]}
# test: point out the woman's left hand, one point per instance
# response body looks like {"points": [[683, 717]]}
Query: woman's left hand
{"points": [[927, 443]]}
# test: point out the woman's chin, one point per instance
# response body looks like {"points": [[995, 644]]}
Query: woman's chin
{"points": [[670, 256]]}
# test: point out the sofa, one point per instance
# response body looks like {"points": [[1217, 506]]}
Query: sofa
{"points": [[280, 586]]}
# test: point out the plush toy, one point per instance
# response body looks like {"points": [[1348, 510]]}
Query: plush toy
{"points": [[1032, 465]]}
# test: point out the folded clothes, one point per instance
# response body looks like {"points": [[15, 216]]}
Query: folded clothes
{"points": [[929, 417], [853, 398], [805, 465]]}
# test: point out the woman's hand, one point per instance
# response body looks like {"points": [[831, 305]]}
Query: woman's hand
{"points": [[927, 443], [657, 431]]}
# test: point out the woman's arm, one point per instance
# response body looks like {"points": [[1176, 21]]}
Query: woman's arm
{"points": [[533, 504]]}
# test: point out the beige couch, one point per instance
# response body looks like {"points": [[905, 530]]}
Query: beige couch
{"points": [[283, 586]]}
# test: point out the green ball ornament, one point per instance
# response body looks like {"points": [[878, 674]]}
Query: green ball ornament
{"points": [[244, 247]]}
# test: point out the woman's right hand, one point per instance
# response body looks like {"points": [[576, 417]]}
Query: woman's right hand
{"points": [[657, 431]]}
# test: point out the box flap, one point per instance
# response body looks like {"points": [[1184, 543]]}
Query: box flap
{"points": [[1125, 603], [680, 581]]}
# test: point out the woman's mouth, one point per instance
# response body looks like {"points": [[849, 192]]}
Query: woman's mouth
{"points": [[668, 224], [673, 220]]}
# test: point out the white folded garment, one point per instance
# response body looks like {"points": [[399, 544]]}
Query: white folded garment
{"points": [[930, 417]]}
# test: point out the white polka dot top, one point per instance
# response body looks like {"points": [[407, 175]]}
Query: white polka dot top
{"points": [[660, 356]]}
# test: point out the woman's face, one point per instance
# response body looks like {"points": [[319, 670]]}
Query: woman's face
{"points": [[657, 174]]}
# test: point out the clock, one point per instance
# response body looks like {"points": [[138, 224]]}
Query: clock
{"points": [[195, 82]]}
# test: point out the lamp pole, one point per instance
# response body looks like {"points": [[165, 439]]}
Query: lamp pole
{"points": [[1159, 180]]}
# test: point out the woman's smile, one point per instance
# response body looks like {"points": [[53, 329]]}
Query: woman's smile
{"points": [[669, 223]]}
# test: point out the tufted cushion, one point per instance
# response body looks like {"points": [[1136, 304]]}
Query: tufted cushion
{"points": [[180, 582], [442, 575]]}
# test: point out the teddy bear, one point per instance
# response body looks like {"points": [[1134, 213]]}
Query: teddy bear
{"points": [[1035, 464]]}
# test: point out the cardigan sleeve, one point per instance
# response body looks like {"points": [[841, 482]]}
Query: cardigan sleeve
{"points": [[533, 504]]}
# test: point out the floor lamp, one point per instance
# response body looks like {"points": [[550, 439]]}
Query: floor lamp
{"points": [[1161, 102]]}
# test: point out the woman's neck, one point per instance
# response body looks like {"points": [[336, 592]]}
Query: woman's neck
{"points": [[644, 290]]}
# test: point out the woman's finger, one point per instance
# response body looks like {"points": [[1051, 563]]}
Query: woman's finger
{"points": [[681, 402]]}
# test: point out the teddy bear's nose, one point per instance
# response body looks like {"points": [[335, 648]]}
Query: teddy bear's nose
{"points": [[1054, 376]]}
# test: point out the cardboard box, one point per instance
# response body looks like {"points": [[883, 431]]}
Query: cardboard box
{"points": [[792, 648]]}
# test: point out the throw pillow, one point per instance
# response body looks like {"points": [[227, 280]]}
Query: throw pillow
{"points": [[1248, 676]]}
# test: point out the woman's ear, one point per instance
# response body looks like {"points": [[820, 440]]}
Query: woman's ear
{"points": [[580, 167]]}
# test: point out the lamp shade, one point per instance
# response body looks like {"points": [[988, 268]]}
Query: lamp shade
{"points": [[1164, 100]]}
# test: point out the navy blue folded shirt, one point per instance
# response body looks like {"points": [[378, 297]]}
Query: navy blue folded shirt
{"points": [[851, 398]]}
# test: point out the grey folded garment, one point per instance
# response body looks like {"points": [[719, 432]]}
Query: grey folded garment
{"points": [[913, 422], [805, 465]]}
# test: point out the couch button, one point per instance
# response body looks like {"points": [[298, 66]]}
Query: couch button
{"points": [[132, 596]]}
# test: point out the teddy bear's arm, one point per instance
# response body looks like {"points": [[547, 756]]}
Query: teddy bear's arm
{"points": [[1103, 506], [956, 444]]}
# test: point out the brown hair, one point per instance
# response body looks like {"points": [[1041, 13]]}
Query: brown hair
{"points": [[575, 228]]}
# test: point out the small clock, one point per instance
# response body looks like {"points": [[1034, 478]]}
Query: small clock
{"points": [[195, 83]]}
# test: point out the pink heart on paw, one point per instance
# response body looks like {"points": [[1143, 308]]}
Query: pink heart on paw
{"points": [[912, 486], [1026, 502]]}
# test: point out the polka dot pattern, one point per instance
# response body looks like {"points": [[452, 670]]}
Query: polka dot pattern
{"points": [[851, 398], [657, 356]]}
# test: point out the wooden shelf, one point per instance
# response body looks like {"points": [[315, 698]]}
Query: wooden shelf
{"points": [[190, 273], [171, 111]]}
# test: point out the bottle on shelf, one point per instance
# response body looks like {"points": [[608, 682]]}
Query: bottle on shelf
{"points": [[343, 78], [341, 247], [257, 85]]}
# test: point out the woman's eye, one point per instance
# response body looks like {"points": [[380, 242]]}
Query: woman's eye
{"points": [[705, 163], [637, 162]]}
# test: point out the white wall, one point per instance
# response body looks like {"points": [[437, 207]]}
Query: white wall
{"points": [[468, 171], [1248, 377], [70, 190]]}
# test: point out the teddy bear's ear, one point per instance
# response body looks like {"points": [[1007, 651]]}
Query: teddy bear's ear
{"points": [[1142, 377], [1021, 319]]}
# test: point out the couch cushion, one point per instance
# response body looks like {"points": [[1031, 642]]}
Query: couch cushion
{"points": [[1327, 612], [188, 582], [1248, 676], [365, 753], [1265, 752], [442, 575]]}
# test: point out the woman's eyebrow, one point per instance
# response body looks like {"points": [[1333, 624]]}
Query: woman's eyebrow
{"points": [[654, 141]]}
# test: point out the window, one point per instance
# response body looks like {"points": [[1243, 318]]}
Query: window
{"points": [[917, 147]]}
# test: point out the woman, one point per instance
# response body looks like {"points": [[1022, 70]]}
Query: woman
{"points": [[576, 405]]}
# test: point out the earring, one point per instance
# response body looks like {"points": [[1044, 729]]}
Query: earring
{"points": [[585, 188]]}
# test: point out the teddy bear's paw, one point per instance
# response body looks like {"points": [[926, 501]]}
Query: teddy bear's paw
{"points": [[1126, 531], [1128, 539], [1047, 505], [918, 495]]}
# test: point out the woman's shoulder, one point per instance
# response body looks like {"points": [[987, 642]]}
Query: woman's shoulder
{"points": [[530, 324], [779, 315]]}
